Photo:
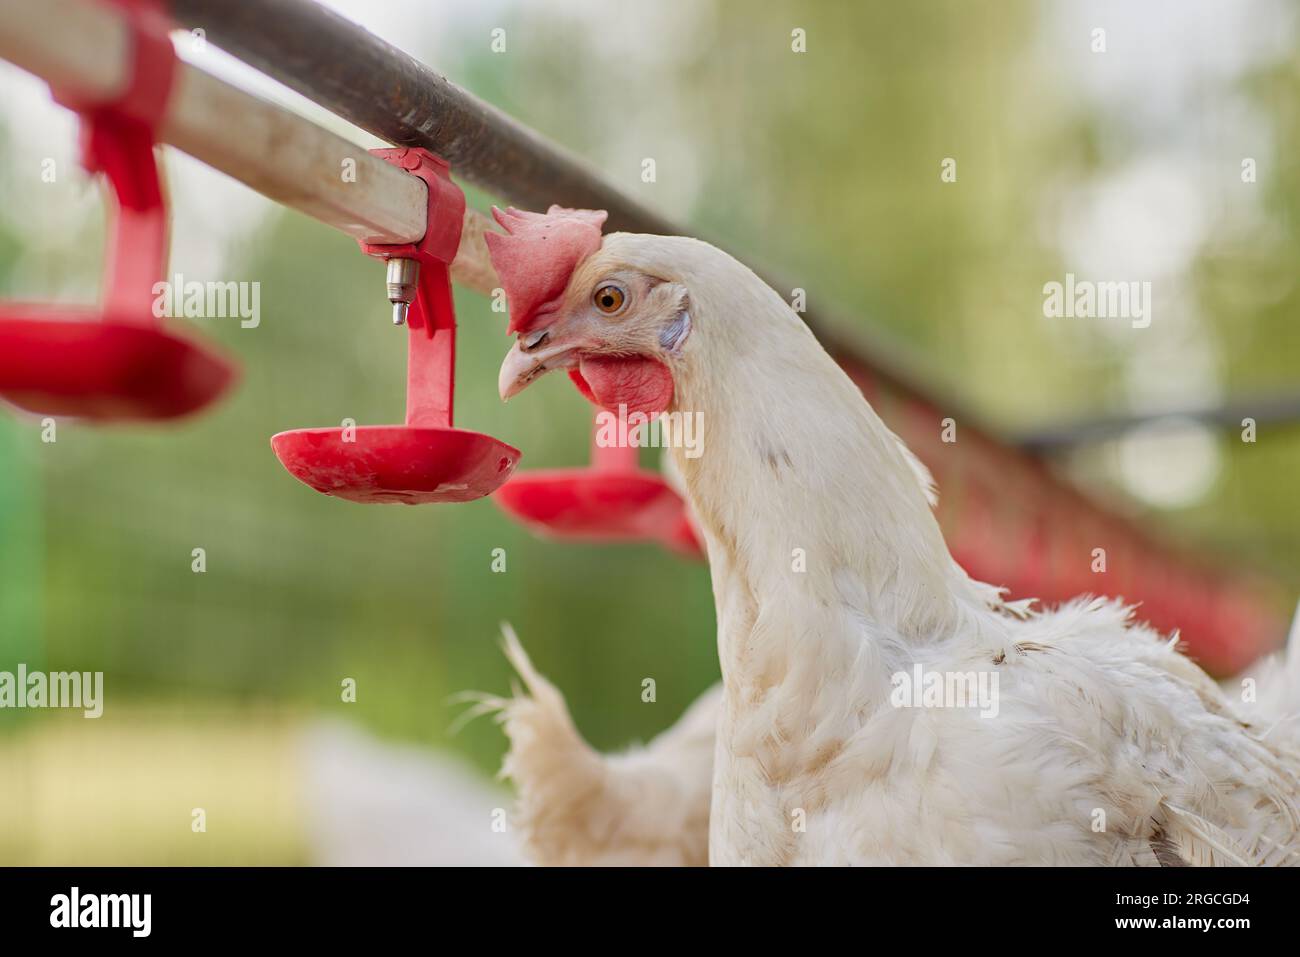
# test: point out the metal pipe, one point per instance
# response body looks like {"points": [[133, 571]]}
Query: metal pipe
{"points": [[1281, 410], [374, 85], [80, 47]]}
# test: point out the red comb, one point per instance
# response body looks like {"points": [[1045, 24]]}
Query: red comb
{"points": [[537, 254]]}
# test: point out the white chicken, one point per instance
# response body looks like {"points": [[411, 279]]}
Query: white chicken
{"points": [[878, 705]]}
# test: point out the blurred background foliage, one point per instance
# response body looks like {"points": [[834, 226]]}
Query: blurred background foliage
{"points": [[825, 165]]}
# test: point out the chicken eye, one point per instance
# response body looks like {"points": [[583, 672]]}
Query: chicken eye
{"points": [[609, 299]]}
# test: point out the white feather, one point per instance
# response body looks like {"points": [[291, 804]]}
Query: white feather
{"points": [[646, 806]]}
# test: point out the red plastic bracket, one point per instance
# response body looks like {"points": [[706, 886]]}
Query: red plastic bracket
{"points": [[117, 139], [431, 320], [153, 69]]}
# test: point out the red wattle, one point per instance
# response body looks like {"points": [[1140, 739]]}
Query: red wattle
{"points": [[643, 385]]}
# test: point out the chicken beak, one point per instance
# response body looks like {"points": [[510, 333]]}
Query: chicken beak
{"points": [[521, 368]]}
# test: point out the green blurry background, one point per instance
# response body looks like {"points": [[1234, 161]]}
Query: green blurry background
{"points": [[1117, 165]]}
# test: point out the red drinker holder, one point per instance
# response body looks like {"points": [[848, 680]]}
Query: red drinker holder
{"points": [[611, 500], [426, 459], [116, 362]]}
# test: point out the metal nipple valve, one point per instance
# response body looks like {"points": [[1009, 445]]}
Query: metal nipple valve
{"points": [[403, 274]]}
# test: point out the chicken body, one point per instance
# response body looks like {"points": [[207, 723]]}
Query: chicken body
{"points": [[1094, 740]]}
